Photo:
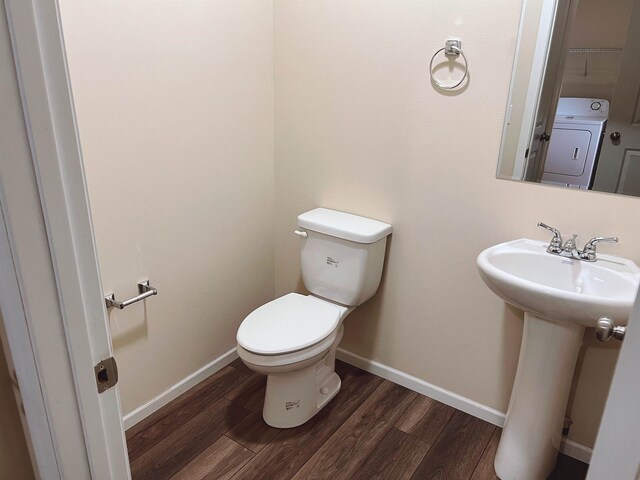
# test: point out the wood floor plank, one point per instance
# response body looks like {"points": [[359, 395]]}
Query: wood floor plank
{"points": [[249, 394], [252, 432], [218, 462], [568, 468], [239, 365], [373, 429], [457, 450], [425, 418], [484, 470], [396, 457], [291, 448], [343, 453], [152, 429], [180, 447]]}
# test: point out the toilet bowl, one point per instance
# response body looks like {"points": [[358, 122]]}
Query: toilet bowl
{"points": [[293, 339]]}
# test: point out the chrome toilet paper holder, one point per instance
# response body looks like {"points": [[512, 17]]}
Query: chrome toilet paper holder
{"points": [[144, 291]]}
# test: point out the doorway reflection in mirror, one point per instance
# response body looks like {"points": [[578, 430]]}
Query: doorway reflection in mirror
{"points": [[573, 116]]}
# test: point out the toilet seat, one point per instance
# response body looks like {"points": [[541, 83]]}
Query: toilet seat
{"points": [[289, 324], [299, 357]]}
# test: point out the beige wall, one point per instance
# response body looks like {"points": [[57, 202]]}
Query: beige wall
{"points": [[175, 110], [359, 128], [14, 455]]}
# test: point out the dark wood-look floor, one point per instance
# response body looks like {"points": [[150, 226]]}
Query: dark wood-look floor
{"points": [[373, 429]]}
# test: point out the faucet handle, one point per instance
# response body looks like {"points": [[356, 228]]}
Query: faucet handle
{"points": [[589, 252], [556, 241]]}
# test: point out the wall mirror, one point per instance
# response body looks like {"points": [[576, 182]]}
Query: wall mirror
{"points": [[573, 114]]}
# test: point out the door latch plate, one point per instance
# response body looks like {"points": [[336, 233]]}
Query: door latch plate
{"points": [[106, 374]]}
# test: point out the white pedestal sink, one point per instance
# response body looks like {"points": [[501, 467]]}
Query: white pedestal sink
{"points": [[560, 297]]}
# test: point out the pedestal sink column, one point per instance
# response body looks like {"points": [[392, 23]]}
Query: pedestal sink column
{"points": [[533, 427]]}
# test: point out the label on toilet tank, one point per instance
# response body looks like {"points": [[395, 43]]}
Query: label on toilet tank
{"points": [[292, 405], [332, 261]]}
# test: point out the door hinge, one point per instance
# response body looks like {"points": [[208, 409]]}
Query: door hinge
{"points": [[106, 374]]}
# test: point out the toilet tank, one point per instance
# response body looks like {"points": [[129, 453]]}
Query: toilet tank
{"points": [[342, 255]]}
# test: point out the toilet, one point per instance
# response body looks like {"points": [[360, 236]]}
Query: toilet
{"points": [[293, 339]]}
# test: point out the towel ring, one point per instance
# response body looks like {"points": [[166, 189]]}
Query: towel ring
{"points": [[452, 48]]}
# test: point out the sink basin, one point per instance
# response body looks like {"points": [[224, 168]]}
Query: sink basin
{"points": [[560, 297], [557, 288]]}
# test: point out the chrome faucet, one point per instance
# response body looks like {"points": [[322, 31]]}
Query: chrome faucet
{"points": [[555, 245], [589, 252], [570, 249]]}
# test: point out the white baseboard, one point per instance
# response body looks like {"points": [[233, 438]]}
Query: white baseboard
{"points": [[576, 450], [155, 404], [483, 412], [454, 400], [488, 414]]}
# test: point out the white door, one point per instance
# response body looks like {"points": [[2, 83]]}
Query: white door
{"points": [[49, 243], [544, 13], [550, 90], [619, 164], [616, 454]]}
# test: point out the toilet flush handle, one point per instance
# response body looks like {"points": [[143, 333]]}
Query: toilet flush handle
{"points": [[302, 233]]}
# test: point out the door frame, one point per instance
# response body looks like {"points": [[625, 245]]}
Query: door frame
{"points": [[616, 453], [76, 322], [536, 80]]}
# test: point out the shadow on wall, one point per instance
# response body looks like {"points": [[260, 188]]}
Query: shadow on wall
{"points": [[129, 329], [598, 358], [300, 288], [513, 323], [453, 67], [368, 314]]}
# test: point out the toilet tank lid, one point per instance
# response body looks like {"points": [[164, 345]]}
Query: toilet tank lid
{"points": [[344, 225]]}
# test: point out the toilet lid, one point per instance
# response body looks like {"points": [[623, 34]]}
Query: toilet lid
{"points": [[287, 324]]}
